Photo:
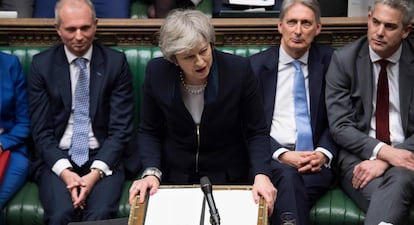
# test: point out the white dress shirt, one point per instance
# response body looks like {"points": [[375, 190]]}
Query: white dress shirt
{"points": [[283, 128], [66, 140], [396, 130]]}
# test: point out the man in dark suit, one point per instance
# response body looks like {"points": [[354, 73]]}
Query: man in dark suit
{"points": [[302, 175], [372, 120], [82, 181]]}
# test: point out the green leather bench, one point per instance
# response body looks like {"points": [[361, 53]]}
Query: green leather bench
{"points": [[335, 208]]}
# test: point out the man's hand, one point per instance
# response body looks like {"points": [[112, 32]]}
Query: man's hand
{"points": [[73, 183], [366, 171], [317, 160], [296, 159], [262, 186], [140, 187], [90, 180], [397, 157], [304, 161]]}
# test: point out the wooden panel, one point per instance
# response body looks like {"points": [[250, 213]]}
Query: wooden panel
{"points": [[336, 31]]}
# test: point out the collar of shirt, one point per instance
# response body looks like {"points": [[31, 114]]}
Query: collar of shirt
{"points": [[70, 56], [286, 59], [394, 58]]}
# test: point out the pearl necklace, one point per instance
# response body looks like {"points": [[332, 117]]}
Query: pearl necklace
{"points": [[189, 90]]}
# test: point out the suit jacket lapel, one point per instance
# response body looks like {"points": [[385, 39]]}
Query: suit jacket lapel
{"points": [[406, 82], [365, 76], [269, 82], [316, 76], [97, 73], [61, 69]]}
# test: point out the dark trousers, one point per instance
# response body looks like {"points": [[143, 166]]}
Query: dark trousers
{"points": [[386, 198], [102, 202], [296, 192]]}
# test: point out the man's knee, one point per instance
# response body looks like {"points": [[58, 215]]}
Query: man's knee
{"points": [[399, 177], [59, 215]]}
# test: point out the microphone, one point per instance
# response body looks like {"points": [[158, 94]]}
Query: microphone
{"points": [[208, 194]]}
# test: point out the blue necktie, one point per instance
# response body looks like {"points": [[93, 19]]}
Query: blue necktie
{"points": [[304, 131], [79, 150]]}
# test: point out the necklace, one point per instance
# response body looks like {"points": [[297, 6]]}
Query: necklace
{"points": [[190, 90]]}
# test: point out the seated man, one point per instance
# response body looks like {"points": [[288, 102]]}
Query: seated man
{"points": [[81, 105], [292, 78], [369, 97]]}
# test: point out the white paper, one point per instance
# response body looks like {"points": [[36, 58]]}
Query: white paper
{"points": [[183, 206], [175, 206], [8, 14], [235, 207], [253, 2]]}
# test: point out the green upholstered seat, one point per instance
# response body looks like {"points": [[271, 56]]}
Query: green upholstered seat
{"points": [[336, 208], [138, 58], [25, 208]]}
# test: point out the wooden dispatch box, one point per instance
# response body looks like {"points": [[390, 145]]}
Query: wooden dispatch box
{"points": [[139, 212]]}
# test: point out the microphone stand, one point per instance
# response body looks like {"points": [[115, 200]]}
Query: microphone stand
{"points": [[203, 211], [207, 189]]}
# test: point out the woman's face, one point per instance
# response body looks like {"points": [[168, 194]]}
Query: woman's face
{"points": [[196, 63]]}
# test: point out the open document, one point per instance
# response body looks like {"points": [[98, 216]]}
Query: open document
{"points": [[186, 206], [181, 206]]}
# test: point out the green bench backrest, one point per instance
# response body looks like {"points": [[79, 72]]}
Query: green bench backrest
{"points": [[137, 57]]}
